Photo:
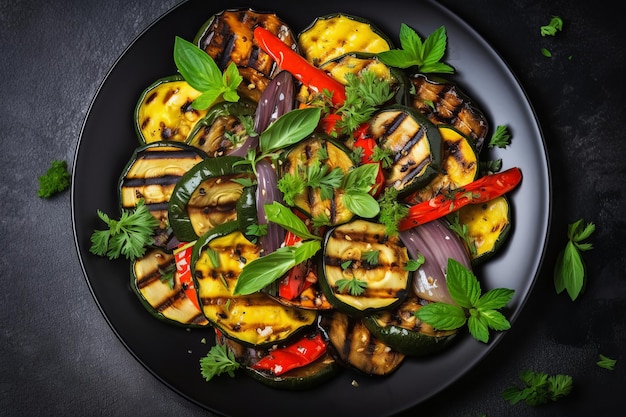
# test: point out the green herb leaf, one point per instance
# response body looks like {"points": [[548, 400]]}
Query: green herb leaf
{"points": [[414, 264], [546, 52], [279, 214], [128, 236], [289, 129], [361, 204], [425, 55], [570, 271], [371, 257], [391, 210], [606, 362], [442, 316], [539, 388], [463, 286], [555, 25], [217, 361], [500, 138], [352, 286], [203, 74], [55, 180], [357, 185]]}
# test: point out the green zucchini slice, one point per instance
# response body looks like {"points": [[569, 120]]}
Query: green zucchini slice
{"points": [[443, 102], [319, 150], [228, 37], [488, 227], [154, 281], [355, 346], [361, 250], [333, 35], [164, 111], [254, 320], [224, 129], [459, 166], [405, 333], [414, 143], [206, 196]]}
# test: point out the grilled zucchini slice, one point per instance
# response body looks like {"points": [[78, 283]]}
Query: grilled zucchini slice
{"points": [[414, 143], [206, 196], [154, 281], [228, 37], [405, 333], [256, 319], [443, 102], [333, 35], [319, 149], [355, 346], [361, 250], [151, 174], [164, 111], [488, 227], [225, 129], [459, 166]]}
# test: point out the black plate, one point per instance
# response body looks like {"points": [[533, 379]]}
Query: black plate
{"points": [[172, 353]]}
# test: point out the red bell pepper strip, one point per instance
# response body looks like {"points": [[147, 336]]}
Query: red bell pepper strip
{"points": [[301, 353], [182, 255], [289, 60], [480, 191], [367, 143], [296, 280]]}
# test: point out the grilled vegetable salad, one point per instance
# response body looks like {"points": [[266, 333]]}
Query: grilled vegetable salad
{"points": [[309, 191]]}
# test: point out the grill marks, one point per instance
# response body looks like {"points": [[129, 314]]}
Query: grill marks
{"points": [[229, 38]]}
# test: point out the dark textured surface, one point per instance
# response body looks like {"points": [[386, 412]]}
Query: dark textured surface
{"points": [[59, 356]]}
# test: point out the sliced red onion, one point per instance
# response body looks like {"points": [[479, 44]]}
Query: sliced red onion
{"points": [[252, 142], [277, 99], [268, 192], [436, 242]]}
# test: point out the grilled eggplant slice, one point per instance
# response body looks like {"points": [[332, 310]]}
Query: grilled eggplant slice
{"points": [[355, 346], [414, 143], [164, 111], [361, 250], [228, 37], [488, 227], [206, 196], [151, 174], [333, 35], [158, 286], [319, 149], [256, 319], [405, 333], [459, 166], [443, 102], [226, 129]]}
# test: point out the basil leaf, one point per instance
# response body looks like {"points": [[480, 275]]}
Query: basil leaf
{"points": [[306, 250], [495, 299], [196, 66], [573, 269], [279, 214], [262, 271], [462, 284], [361, 178], [442, 316], [290, 128], [478, 327], [495, 320], [361, 204]]}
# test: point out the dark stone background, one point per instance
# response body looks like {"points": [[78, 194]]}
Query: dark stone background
{"points": [[58, 355]]}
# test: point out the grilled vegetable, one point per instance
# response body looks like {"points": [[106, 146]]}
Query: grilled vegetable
{"points": [[307, 376], [164, 111], [459, 166], [405, 333], [256, 319], [161, 291], [318, 149], [228, 37], [151, 174], [361, 253], [488, 226], [336, 34], [414, 144], [206, 196], [443, 102], [226, 129], [355, 346]]}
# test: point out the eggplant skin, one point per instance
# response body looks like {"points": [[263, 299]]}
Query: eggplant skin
{"points": [[228, 37]]}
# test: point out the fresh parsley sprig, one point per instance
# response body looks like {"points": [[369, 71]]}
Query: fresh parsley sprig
{"points": [[570, 272], [425, 55], [501, 137], [218, 360], [606, 362], [539, 388], [555, 25], [202, 73], [391, 210], [55, 180], [479, 311], [128, 236]]}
